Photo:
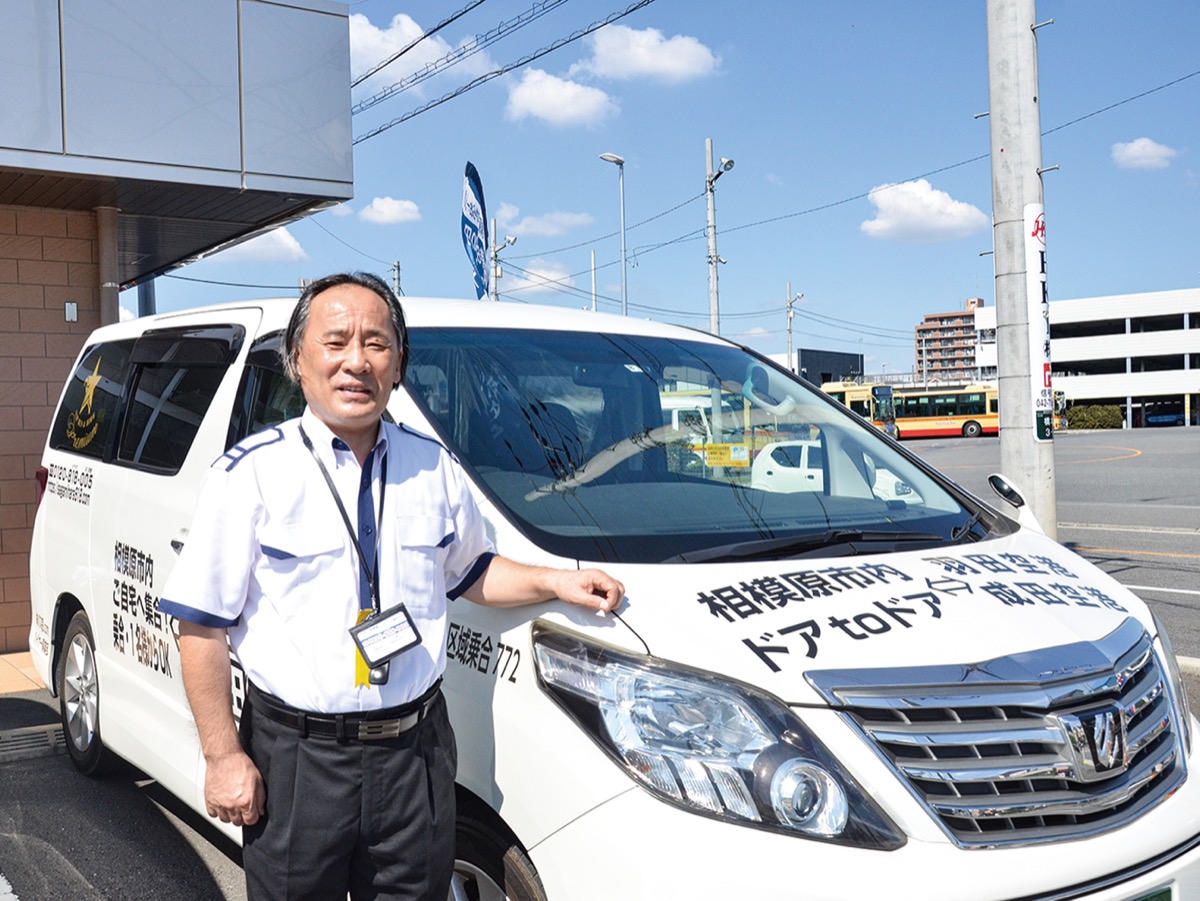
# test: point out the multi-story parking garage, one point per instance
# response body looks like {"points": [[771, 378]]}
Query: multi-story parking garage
{"points": [[1140, 352]]}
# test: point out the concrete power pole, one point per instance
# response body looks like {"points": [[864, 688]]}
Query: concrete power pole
{"points": [[791, 299], [714, 307], [1019, 236], [495, 267]]}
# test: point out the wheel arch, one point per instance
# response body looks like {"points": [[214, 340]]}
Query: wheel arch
{"points": [[505, 861], [65, 609], [483, 811]]}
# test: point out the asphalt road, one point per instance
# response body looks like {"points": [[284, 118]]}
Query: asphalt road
{"points": [[1127, 501], [67, 836]]}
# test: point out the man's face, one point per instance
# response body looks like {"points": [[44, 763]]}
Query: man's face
{"points": [[348, 360]]}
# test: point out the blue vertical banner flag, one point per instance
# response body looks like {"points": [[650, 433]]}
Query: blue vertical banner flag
{"points": [[474, 228]]}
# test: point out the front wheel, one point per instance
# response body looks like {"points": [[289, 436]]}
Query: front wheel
{"points": [[79, 697], [490, 865], [972, 430]]}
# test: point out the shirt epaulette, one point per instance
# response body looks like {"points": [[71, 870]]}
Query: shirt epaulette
{"points": [[246, 446], [433, 438]]}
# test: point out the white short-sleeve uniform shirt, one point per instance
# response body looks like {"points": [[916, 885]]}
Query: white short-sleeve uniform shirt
{"points": [[269, 557]]}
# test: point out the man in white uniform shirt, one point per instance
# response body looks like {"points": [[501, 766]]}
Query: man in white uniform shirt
{"points": [[323, 551]]}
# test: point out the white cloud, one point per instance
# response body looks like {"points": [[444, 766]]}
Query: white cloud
{"points": [[276, 246], [341, 210], [389, 211], [557, 101], [623, 53], [538, 277], [547, 225], [914, 211], [1143, 154], [370, 45]]}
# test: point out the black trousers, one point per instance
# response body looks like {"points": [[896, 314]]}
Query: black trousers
{"points": [[374, 819]]}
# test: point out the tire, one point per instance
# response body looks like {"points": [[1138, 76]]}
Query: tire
{"points": [[972, 430], [78, 687], [490, 864]]}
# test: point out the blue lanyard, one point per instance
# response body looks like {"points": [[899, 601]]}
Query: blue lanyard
{"points": [[372, 577]]}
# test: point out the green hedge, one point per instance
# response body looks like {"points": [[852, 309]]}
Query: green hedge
{"points": [[1094, 417]]}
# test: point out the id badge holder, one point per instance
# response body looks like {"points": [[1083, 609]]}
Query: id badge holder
{"points": [[384, 636]]}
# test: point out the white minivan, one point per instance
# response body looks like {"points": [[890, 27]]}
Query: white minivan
{"points": [[828, 690]]}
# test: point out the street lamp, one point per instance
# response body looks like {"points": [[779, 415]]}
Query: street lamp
{"points": [[714, 315], [620, 164]]}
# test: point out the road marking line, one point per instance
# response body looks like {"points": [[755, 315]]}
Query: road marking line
{"points": [[1168, 590], [1098, 527], [1114, 550]]}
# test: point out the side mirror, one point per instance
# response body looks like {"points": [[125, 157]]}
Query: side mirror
{"points": [[1008, 492]]}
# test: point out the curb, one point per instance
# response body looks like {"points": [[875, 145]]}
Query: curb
{"points": [[1189, 666]]}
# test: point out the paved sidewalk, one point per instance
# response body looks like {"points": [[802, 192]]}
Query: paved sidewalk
{"points": [[17, 674]]}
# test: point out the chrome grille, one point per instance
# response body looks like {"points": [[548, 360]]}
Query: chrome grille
{"points": [[1058, 743]]}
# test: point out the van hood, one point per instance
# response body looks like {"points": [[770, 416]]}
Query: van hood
{"points": [[770, 623]]}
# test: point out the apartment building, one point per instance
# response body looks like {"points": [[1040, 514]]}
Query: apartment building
{"points": [[946, 343]]}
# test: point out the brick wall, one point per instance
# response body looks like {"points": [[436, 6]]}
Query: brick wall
{"points": [[47, 259]]}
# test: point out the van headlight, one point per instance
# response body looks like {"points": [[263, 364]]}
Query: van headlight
{"points": [[707, 745], [1175, 684]]}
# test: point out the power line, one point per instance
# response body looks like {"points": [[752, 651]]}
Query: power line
{"points": [[496, 73], [879, 330], [1122, 102], [209, 281], [610, 234], [403, 50], [696, 234], [692, 235], [351, 246], [457, 55]]}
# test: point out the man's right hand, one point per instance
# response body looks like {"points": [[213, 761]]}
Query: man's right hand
{"points": [[233, 789]]}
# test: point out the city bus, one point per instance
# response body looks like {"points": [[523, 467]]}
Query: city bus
{"points": [[924, 412], [871, 401]]}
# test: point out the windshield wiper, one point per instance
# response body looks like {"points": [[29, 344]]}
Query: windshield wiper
{"points": [[793, 546], [964, 531]]}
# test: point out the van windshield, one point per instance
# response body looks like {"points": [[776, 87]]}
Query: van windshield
{"points": [[643, 449]]}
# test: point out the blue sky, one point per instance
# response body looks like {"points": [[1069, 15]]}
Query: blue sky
{"points": [[820, 104]]}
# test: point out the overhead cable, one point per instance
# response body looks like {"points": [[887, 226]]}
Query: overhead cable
{"points": [[503, 70]]}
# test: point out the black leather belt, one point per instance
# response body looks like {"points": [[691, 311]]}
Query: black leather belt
{"points": [[367, 725]]}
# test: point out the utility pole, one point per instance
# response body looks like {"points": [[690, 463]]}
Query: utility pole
{"points": [[494, 255], [710, 179], [791, 300], [1019, 236], [396, 278]]}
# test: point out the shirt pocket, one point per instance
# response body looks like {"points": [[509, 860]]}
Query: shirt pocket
{"points": [[303, 577], [421, 547], [299, 550]]}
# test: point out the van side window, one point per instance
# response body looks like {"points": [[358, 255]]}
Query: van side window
{"points": [[168, 405], [266, 396], [85, 419], [174, 377]]}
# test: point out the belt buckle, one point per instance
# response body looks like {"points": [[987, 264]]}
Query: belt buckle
{"points": [[378, 730]]}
